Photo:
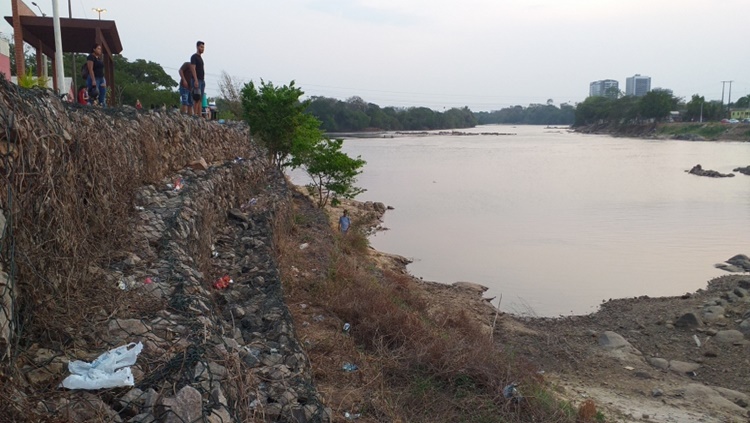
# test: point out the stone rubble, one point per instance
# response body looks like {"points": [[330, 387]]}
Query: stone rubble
{"points": [[210, 355]]}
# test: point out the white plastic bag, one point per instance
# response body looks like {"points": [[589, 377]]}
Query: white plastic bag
{"points": [[109, 370]]}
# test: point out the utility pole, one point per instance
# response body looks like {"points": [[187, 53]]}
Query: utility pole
{"points": [[59, 73], [722, 97], [729, 102]]}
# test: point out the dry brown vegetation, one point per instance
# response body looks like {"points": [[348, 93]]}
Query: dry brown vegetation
{"points": [[415, 364]]}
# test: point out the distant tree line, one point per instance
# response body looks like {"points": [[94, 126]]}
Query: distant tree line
{"points": [[535, 114], [355, 114], [655, 106]]}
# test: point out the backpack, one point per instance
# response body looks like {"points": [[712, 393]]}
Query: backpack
{"points": [[85, 71]]}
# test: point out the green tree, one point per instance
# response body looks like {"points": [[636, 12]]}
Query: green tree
{"points": [[275, 115], [333, 173], [743, 102], [142, 80], [657, 104]]}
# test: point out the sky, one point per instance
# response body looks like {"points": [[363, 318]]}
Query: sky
{"points": [[484, 54]]}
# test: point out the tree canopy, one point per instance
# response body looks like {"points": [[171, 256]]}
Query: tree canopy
{"points": [[355, 114], [534, 114]]}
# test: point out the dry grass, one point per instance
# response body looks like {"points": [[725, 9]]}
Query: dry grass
{"points": [[414, 365]]}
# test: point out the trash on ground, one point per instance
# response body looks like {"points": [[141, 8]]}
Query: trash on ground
{"points": [[178, 184], [251, 202], [347, 327], [223, 282], [319, 318], [214, 253], [304, 246], [511, 392], [109, 370], [352, 416], [697, 341], [140, 208], [148, 281], [122, 285], [349, 367]]}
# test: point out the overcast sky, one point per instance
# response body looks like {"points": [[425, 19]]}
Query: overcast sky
{"points": [[485, 54]]}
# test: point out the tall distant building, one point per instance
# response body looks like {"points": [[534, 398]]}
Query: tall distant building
{"points": [[637, 85], [605, 87]]}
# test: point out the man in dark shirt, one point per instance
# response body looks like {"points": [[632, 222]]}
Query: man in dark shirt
{"points": [[196, 66]]}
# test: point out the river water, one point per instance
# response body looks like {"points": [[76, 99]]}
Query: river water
{"points": [[555, 221]]}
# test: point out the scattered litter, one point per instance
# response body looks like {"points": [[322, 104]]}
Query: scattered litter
{"points": [[214, 253], [303, 306], [251, 202], [691, 374], [140, 208], [304, 246], [697, 341], [511, 392], [254, 404], [540, 372], [109, 370], [351, 416], [122, 285], [238, 159], [148, 281], [319, 318], [349, 367], [223, 282], [179, 184], [274, 350], [631, 368], [347, 327]]}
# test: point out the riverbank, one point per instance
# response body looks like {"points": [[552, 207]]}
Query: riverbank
{"points": [[668, 359], [687, 131]]}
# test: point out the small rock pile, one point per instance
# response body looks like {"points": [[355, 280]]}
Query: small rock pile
{"points": [[698, 170]]}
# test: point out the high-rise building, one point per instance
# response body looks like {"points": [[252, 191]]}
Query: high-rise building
{"points": [[604, 88], [637, 85]]}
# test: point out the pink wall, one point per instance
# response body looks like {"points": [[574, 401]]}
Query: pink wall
{"points": [[5, 58]]}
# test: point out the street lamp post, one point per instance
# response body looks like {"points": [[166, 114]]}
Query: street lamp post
{"points": [[40, 9], [99, 11]]}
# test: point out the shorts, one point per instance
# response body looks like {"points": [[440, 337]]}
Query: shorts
{"points": [[202, 85], [185, 98]]}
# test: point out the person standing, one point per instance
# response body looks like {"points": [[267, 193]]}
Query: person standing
{"points": [[95, 82], [344, 222], [138, 105], [186, 100], [198, 73]]}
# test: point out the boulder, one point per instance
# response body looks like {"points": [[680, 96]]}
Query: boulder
{"points": [[611, 341], [740, 260], [659, 363], [199, 164], [729, 336], [471, 286], [745, 327], [699, 171], [689, 321], [186, 406], [683, 367], [713, 313]]}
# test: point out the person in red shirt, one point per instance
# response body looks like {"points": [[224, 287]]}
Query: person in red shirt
{"points": [[83, 95]]}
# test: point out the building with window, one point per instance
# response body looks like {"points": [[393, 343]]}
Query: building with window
{"points": [[604, 88], [637, 85]]}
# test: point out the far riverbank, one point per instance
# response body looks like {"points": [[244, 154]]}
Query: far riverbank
{"points": [[688, 131]]}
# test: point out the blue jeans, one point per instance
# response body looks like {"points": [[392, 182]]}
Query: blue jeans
{"points": [[102, 91]]}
